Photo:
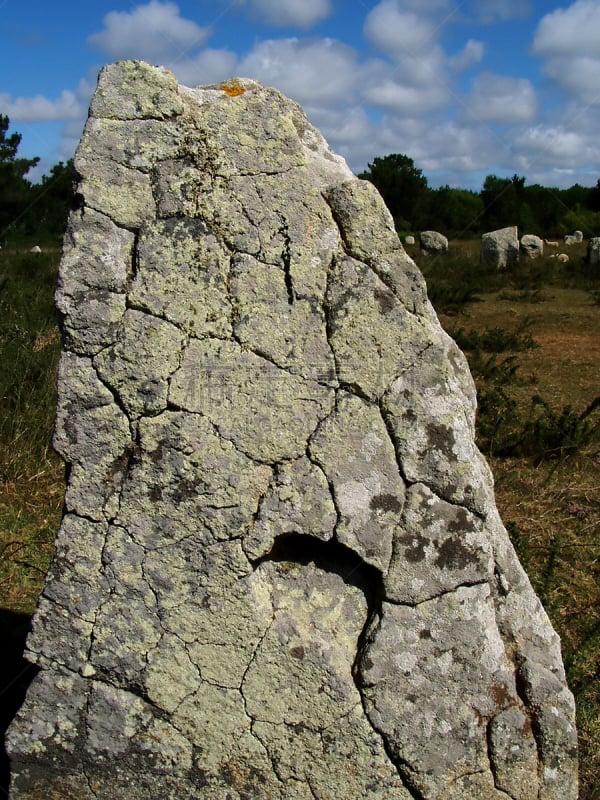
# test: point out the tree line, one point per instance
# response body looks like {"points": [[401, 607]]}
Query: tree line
{"points": [[28, 208], [41, 209], [460, 213]]}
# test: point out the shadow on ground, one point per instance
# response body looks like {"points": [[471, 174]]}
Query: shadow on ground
{"points": [[15, 676]]}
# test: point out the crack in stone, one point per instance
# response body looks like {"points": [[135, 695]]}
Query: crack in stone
{"points": [[134, 264], [286, 257], [490, 757], [370, 263], [439, 595], [388, 425], [520, 684], [518, 660], [88, 204], [251, 662], [300, 549]]}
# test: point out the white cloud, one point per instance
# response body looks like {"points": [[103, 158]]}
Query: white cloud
{"points": [[42, 109], [418, 82], [546, 144], [423, 6], [579, 76], [155, 32], [403, 99], [69, 139], [568, 41], [570, 31], [497, 98], [447, 152], [311, 71], [472, 53], [349, 132], [209, 66], [396, 32], [294, 13], [491, 11]]}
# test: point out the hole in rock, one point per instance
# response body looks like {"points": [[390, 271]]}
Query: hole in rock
{"points": [[331, 556]]}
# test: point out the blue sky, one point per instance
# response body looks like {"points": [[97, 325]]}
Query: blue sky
{"points": [[464, 87]]}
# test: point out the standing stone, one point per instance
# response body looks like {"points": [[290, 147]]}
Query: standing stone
{"points": [[433, 243], [500, 248], [570, 239], [593, 251], [532, 246], [578, 236], [280, 573]]}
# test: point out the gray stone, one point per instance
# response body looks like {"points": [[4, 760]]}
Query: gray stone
{"points": [[500, 248], [578, 236], [433, 243], [280, 572], [593, 251], [409, 240], [532, 246], [570, 240]]}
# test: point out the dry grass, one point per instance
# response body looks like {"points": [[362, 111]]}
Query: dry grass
{"points": [[30, 512], [553, 514]]}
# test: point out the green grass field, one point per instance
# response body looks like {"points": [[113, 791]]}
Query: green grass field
{"points": [[533, 340]]}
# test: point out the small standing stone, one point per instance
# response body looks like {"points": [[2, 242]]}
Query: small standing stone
{"points": [[500, 248], [532, 246], [433, 243], [593, 251]]}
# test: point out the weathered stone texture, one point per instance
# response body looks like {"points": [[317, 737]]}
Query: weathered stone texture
{"points": [[532, 246], [500, 248], [593, 250], [280, 573], [433, 243]]}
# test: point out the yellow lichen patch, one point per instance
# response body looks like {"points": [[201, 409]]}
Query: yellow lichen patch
{"points": [[232, 88]]}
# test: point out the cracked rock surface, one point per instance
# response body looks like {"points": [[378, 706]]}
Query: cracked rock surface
{"points": [[280, 572]]}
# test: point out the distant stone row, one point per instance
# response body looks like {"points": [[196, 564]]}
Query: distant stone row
{"points": [[502, 247]]}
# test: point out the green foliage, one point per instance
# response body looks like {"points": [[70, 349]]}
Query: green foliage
{"points": [[504, 203], [547, 211], [26, 208], [489, 369], [505, 426], [497, 419], [542, 434], [51, 201], [14, 188], [521, 542], [28, 354], [401, 185], [457, 212], [548, 433], [581, 219], [456, 279], [495, 340], [451, 299]]}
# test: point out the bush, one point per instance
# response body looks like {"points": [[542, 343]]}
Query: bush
{"points": [[29, 349]]}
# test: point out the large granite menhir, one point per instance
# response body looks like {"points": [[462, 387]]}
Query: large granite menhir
{"points": [[281, 573]]}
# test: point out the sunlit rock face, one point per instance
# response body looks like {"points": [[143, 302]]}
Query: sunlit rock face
{"points": [[280, 572]]}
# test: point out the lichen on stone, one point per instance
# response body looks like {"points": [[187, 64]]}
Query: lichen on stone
{"points": [[281, 572]]}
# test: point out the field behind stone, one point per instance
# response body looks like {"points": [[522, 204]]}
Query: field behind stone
{"points": [[532, 336]]}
